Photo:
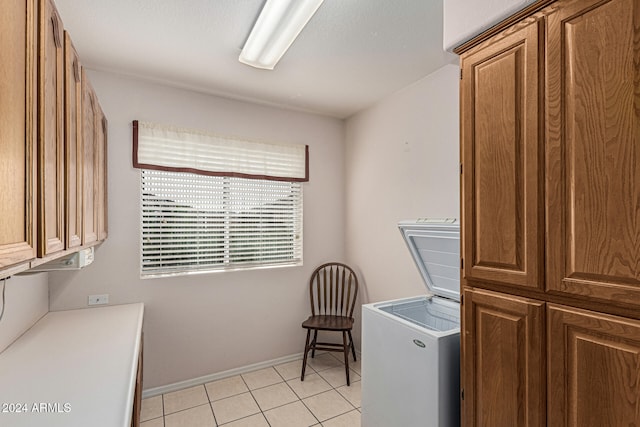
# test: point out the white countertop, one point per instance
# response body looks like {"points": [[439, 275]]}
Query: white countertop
{"points": [[73, 368]]}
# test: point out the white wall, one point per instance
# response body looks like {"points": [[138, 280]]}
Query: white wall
{"points": [[464, 19], [402, 163], [26, 301], [204, 324]]}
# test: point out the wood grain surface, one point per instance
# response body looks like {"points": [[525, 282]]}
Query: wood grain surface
{"points": [[501, 156], [594, 365], [504, 354], [73, 145], [18, 68], [593, 156], [51, 236]]}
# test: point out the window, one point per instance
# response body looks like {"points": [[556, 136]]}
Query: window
{"points": [[213, 220], [195, 222]]}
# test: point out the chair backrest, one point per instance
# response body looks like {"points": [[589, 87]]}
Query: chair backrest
{"points": [[333, 289]]}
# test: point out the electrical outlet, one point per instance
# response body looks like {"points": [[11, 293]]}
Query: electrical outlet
{"points": [[98, 299]]}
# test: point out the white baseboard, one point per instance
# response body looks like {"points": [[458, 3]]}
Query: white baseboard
{"points": [[224, 374], [218, 376]]}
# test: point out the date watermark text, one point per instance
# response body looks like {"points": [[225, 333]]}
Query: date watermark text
{"points": [[35, 407]]}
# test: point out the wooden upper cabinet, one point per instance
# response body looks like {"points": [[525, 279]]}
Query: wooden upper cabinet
{"points": [[501, 151], [18, 86], [503, 361], [101, 172], [50, 132], [73, 145], [593, 150], [47, 113], [89, 199], [594, 366]]}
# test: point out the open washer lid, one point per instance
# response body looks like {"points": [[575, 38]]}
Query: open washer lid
{"points": [[435, 247]]}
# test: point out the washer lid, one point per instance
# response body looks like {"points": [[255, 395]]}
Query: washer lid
{"points": [[435, 247]]}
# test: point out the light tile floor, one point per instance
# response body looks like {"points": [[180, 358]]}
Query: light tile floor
{"points": [[270, 397]]}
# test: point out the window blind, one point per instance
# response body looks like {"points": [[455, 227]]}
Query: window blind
{"points": [[168, 148], [192, 223]]}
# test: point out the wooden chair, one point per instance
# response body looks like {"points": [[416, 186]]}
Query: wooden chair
{"points": [[333, 289]]}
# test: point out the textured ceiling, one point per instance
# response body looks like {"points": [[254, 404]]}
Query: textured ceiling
{"points": [[351, 54]]}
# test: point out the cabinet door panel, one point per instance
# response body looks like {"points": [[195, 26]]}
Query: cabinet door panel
{"points": [[501, 149], [18, 68], [594, 369], [73, 145], [90, 211], [50, 132], [503, 360], [593, 158]]}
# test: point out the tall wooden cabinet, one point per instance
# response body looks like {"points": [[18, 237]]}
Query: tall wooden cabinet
{"points": [[550, 152], [18, 132]]}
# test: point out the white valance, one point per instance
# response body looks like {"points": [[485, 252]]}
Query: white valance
{"points": [[184, 150]]}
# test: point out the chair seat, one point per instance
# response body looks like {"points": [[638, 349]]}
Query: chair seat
{"points": [[328, 323]]}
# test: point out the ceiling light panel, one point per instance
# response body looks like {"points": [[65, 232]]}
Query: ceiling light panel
{"points": [[276, 28]]}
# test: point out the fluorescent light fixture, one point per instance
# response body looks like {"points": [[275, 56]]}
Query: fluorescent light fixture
{"points": [[277, 27]]}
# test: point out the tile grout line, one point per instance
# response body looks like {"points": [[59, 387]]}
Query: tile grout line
{"points": [[261, 411], [206, 392], [254, 398], [299, 399], [340, 415], [183, 410], [311, 412], [284, 381], [336, 416]]}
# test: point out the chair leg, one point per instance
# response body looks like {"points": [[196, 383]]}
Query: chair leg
{"points": [[306, 351], [346, 355], [313, 343], [353, 347]]}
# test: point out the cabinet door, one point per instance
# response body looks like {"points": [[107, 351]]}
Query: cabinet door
{"points": [[18, 68], [501, 152], [90, 211], [73, 145], [594, 367], [503, 361], [593, 158], [101, 172], [50, 132]]}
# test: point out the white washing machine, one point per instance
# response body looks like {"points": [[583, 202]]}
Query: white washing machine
{"points": [[411, 346]]}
